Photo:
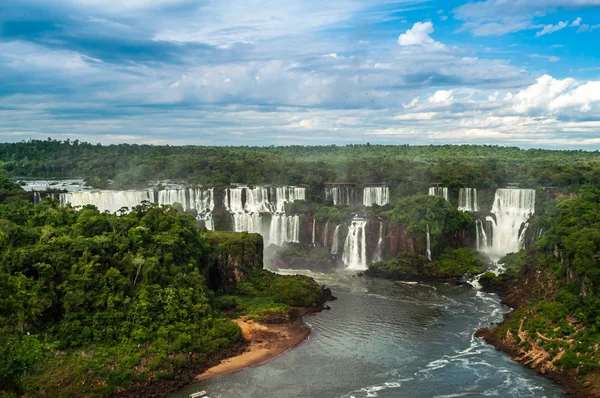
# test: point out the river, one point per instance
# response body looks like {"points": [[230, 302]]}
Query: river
{"points": [[389, 339]]}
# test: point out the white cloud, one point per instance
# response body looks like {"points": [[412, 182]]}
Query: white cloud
{"points": [[583, 97], [416, 116], [539, 95], [441, 97], [418, 35], [412, 103], [548, 58], [548, 29], [576, 22]]}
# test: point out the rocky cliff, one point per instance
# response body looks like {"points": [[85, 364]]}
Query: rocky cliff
{"points": [[232, 255]]}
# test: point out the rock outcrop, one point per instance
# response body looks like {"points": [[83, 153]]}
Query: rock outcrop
{"points": [[232, 255]]}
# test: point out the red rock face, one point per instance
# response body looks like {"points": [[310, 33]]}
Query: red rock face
{"points": [[396, 238]]}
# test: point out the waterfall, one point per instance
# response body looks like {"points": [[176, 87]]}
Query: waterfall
{"points": [[313, 234], [325, 235], [376, 196], [336, 240], [247, 206], [379, 249], [439, 191], [342, 195], [110, 201], [285, 195], [428, 244], [467, 200], [248, 214], [511, 209], [284, 229], [200, 200], [37, 198], [355, 247]]}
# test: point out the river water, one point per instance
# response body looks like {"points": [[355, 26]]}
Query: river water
{"points": [[390, 339]]}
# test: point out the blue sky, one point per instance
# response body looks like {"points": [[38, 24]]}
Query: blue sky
{"points": [[521, 72]]}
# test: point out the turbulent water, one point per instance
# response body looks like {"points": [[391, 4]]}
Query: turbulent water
{"points": [[511, 210], [389, 340]]}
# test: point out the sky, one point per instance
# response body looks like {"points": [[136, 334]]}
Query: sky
{"points": [[520, 73]]}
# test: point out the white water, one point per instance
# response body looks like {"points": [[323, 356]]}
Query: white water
{"points": [[111, 201], [351, 196], [467, 200], [283, 229], [439, 191], [355, 247], [379, 249], [376, 196], [325, 235], [200, 200], [248, 205], [342, 195], [313, 234], [428, 244], [512, 208], [336, 240]]}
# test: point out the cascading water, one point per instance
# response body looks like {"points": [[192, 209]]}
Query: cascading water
{"points": [[439, 191], [467, 200], [37, 198], [283, 229], [428, 244], [512, 208], [248, 214], [285, 195], [342, 195], [355, 247], [111, 201], [200, 200], [336, 240], [376, 196], [313, 234], [326, 233], [379, 249]]}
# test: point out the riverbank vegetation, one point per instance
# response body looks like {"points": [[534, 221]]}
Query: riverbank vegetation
{"points": [[95, 303], [452, 265], [556, 293]]}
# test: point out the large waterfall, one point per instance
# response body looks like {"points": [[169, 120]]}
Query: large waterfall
{"points": [[111, 201], [355, 247], [511, 209], [439, 191], [249, 206], [199, 200], [259, 209], [467, 200], [376, 196]]}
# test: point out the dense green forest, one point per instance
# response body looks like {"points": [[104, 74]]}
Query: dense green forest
{"points": [[91, 303], [406, 169]]}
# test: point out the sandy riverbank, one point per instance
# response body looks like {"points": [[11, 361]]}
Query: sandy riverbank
{"points": [[266, 341]]}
